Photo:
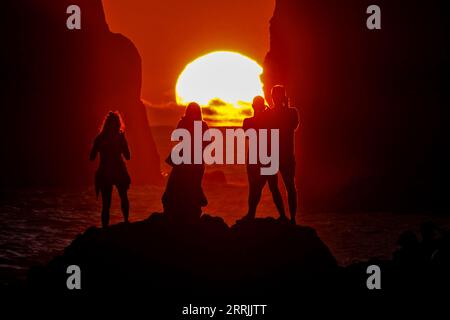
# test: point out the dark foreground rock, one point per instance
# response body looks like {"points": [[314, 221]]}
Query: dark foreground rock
{"points": [[205, 259], [263, 259]]}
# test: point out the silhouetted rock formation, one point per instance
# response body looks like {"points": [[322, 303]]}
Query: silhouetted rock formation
{"points": [[263, 259], [205, 259], [63, 83], [418, 268], [372, 103]]}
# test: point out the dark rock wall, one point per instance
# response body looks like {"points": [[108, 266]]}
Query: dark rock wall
{"points": [[62, 84], [373, 104], [205, 258]]}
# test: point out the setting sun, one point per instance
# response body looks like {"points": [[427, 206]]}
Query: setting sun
{"points": [[223, 83]]}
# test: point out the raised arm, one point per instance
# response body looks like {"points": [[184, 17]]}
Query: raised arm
{"points": [[245, 124]]}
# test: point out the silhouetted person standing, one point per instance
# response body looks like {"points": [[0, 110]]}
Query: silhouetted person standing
{"points": [[112, 145], [184, 197], [257, 181], [285, 119]]}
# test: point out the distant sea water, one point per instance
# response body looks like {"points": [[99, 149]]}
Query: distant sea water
{"points": [[37, 224]]}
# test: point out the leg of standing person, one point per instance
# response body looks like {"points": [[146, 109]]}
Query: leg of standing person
{"points": [[254, 196], [106, 192], [255, 184], [276, 195], [288, 175], [124, 203]]}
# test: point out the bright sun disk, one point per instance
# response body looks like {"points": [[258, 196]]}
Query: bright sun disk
{"points": [[222, 81]]}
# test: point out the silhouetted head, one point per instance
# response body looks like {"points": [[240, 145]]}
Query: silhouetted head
{"points": [[113, 123], [193, 112], [427, 231], [258, 105], [408, 240], [279, 97]]}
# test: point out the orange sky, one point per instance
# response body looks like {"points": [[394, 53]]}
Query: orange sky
{"points": [[171, 33]]}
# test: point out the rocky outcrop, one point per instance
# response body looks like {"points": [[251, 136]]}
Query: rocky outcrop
{"points": [[372, 102], [63, 83], [262, 259], [206, 259]]}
